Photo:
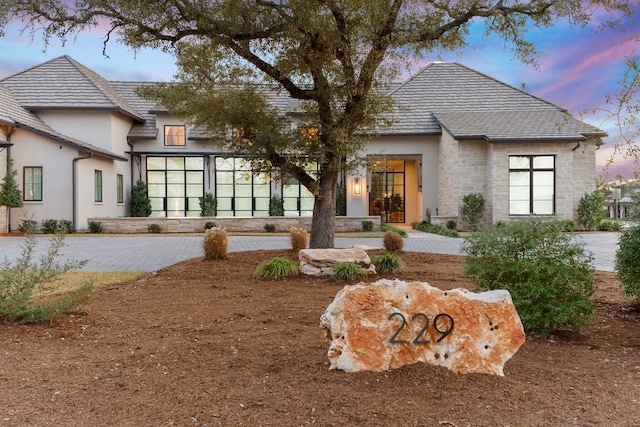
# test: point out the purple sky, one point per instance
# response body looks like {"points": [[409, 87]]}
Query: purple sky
{"points": [[578, 69]]}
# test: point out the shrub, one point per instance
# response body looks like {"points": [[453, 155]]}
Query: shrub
{"points": [[65, 226], [276, 206], [387, 227], [473, 206], [392, 241], [590, 210], [299, 238], [95, 227], [269, 228], [18, 282], [49, 226], [341, 199], [367, 225], [10, 194], [626, 263], [434, 228], [547, 273], [347, 271], [451, 224], [215, 244], [27, 226], [567, 225], [209, 224], [140, 203], [276, 268], [154, 228], [387, 263], [208, 205], [608, 225]]}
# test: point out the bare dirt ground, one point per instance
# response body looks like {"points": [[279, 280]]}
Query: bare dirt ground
{"points": [[203, 344]]}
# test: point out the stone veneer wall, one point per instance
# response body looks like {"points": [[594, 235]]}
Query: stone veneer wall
{"points": [[127, 225], [4, 226]]}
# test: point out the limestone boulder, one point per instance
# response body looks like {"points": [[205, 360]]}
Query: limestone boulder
{"points": [[318, 262], [389, 324]]}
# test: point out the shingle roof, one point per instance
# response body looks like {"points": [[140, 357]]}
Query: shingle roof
{"points": [[127, 90], [471, 104], [65, 83], [13, 113]]}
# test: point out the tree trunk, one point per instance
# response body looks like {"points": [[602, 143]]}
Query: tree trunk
{"points": [[324, 212]]}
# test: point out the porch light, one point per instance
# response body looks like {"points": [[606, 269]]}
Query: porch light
{"points": [[356, 185]]}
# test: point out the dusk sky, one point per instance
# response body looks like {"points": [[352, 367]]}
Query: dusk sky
{"points": [[579, 67]]}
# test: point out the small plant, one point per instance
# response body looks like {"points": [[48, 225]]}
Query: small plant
{"points": [[269, 228], [434, 229], [154, 228], [276, 268], [451, 224], [95, 227], [19, 281], [140, 203], [387, 227], [367, 225], [49, 226], [299, 238], [473, 206], [209, 224], [590, 210], [10, 194], [608, 225], [626, 263], [347, 271], [276, 206], [547, 273], [392, 241], [65, 226], [27, 226], [387, 263], [215, 244], [208, 205]]}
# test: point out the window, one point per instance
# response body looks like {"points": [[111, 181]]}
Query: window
{"points": [[97, 186], [175, 185], [174, 136], [32, 184], [119, 188], [531, 185]]}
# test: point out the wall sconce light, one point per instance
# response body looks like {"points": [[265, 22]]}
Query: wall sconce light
{"points": [[356, 185]]}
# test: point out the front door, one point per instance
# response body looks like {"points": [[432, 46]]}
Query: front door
{"points": [[387, 191]]}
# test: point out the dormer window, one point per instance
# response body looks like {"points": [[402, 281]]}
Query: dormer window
{"points": [[174, 136]]}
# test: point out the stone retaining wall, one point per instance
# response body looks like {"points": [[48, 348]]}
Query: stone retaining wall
{"points": [[127, 225]]}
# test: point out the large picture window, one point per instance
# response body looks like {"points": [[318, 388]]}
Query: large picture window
{"points": [[532, 185], [239, 190], [32, 184], [174, 136], [175, 185]]}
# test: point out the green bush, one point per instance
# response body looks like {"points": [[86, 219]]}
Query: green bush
{"points": [[276, 268], [140, 203], [347, 271], [590, 210], [367, 225], [10, 194], [65, 226], [276, 206], [18, 282], [608, 225], [451, 224], [27, 226], [548, 274], [473, 206], [627, 265], [269, 228], [567, 225], [387, 263], [434, 229], [49, 226], [95, 227], [208, 205], [387, 227], [154, 228], [209, 224]]}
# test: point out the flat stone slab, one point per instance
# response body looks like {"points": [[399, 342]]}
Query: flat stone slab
{"points": [[389, 324], [319, 262]]}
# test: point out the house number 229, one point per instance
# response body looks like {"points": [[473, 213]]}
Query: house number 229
{"points": [[437, 322]]}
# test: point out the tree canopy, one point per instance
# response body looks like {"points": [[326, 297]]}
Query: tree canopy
{"points": [[336, 57]]}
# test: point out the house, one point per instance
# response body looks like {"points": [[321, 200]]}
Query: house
{"points": [[80, 142]]}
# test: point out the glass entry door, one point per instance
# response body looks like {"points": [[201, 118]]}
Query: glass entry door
{"points": [[387, 192]]}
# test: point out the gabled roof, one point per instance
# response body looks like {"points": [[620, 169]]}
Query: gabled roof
{"points": [[127, 90], [64, 83], [470, 104], [13, 114]]}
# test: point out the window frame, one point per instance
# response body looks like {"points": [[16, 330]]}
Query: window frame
{"points": [[180, 136], [97, 186], [26, 186], [531, 170], [119, 188]]}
